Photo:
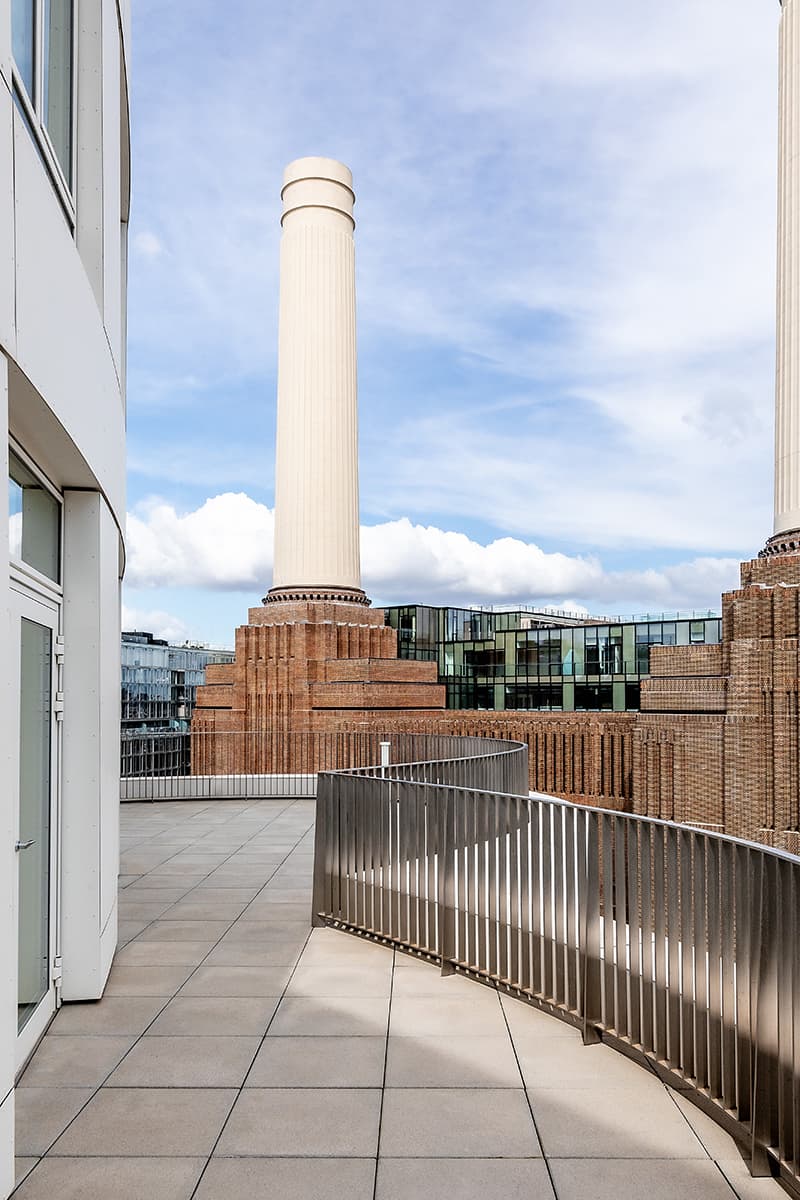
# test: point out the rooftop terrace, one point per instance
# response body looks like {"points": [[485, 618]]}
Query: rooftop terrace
{"points": [[239, 1053]]}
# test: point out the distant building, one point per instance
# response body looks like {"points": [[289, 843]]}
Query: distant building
{"points": [[535, 659], [159, 691]]}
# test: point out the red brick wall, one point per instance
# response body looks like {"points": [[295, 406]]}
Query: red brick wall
{"points": [[717, 742]]}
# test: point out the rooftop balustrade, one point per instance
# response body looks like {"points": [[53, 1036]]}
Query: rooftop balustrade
{"points": [[675, 945]]}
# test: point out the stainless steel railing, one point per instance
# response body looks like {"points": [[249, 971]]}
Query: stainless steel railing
{"points": [[208, 764], [677, 945]]}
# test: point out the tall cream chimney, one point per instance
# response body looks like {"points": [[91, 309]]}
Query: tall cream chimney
{"points": [[787, 383], [317, 554]]}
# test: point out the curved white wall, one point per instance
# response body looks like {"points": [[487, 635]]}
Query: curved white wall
{"points": [[62, 381]]}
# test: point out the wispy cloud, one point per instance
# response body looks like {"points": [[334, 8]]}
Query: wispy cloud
{"points": [[226, 546]]}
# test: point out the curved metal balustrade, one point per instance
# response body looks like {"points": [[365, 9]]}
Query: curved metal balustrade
{"points": [[677, 946]]}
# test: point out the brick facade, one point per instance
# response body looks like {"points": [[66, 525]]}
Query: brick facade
{"points": [[716, 742]]}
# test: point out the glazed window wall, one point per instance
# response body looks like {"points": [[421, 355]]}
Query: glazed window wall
{"points": [[34, 521], [42, 34], [514, 666], [159, 683]]}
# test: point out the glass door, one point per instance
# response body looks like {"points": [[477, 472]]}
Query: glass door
{"points": [[35, 626]]}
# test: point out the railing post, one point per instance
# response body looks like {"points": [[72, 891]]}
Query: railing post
{"points": [[447, 882], [764, 1014], [589, 901], [320, 902]]}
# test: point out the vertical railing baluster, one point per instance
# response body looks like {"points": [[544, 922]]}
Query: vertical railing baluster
{"points": [[621, 927], [528, 808], [714, 928], [727, 907], [537, 932], [589, 917]]}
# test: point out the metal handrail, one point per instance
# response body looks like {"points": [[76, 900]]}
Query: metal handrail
{"points": [[206, 763], [674, 944]]}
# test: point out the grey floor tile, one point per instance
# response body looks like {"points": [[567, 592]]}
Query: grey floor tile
{"points": [[287, 1179], [122, 1122], [146, 981], [319, 1062], [640, 1122], [154, 954], [417, 978], [239, 1016], [303, 1122], [295, 914], [431, 1016], [331, 947], [117, 1178], [246, 954], [43, 1113], [22, 1167], [738, 1175], [525, 1020], [185, 931], [205, 910], [161, 880], [168, 1062], [167, 895], [276, 894], [142, 910], [310, 980], [457, 1123], [567, 1063], [621, 1179], [446, 1061], [718, 1143], [74, 1061], [463, 1179], [333, 1016], [237, 981], [210, 894], [111, 1015], [272, 930], [128, 930]]}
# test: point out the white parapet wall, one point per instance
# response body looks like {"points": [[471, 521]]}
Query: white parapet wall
{"points": [[218, 787]]}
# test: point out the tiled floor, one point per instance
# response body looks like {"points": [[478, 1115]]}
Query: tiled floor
{"points": [[238, 1055]]}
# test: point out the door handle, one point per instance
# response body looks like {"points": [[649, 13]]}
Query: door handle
{"points": [[25, 845]]}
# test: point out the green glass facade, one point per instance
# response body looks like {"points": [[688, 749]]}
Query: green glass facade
{"points": [[524, 660]]}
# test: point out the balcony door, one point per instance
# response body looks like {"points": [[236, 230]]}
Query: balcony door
{"points": [[34, 630]]}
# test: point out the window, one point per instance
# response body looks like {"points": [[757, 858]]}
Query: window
{"points": [[42, 37], [34, 521]]}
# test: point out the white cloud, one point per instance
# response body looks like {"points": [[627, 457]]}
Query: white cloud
{"points": [[226, 544]]}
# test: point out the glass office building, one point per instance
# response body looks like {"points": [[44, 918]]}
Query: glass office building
{"points": [[534, 660], [159, 691]]}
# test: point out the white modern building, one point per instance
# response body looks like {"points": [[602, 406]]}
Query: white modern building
{"points": [[64, 191]]}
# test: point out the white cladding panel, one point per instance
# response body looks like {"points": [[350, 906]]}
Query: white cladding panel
{"points": [[111, 167], [90, 774], [8, 922], [61, 343], [7, 332]]}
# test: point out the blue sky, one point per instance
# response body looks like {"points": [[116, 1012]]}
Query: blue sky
{"points": [[565, 266]]}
